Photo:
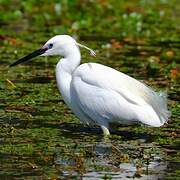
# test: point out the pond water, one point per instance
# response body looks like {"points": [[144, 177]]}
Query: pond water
{"points": [[40, 138]]}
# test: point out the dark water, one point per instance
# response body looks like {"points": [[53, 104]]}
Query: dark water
{"points": [[40, 138]]}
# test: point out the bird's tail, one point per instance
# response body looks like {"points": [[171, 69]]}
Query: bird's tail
{"points": [[162, 111], [155, 113]]}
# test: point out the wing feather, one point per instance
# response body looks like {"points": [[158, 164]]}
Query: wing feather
{"points": [[132, 90]]}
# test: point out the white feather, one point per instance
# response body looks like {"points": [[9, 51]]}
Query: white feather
{"points": [[104, 93]]}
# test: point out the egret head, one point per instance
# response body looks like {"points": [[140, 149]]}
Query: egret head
{"points": [[58, 45]]}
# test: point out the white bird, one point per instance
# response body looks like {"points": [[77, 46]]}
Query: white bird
{"points": [[100, 95]]}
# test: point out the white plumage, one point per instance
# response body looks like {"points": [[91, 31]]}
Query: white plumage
{"points": [[100, 95], [104, 93]]}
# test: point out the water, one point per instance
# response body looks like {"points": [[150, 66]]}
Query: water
{"points": [[40, 138]]}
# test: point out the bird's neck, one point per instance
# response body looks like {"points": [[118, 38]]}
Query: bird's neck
{"points": [[64, 71], [71, 60]]}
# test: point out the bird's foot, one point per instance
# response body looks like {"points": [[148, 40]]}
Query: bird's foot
{"points": [[105, 131]]}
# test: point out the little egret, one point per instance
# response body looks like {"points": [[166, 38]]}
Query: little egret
{"points": [[100, 95]]}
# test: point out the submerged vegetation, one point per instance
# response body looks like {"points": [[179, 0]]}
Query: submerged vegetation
{"points": [[40, 137]]}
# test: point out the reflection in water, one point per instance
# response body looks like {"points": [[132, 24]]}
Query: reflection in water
{"points": [[102, 162]]}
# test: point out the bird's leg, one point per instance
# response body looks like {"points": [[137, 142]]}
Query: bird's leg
{"points": [[105, 130]]}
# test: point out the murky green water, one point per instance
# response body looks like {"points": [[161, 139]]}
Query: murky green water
{"points": [[40, 138]]}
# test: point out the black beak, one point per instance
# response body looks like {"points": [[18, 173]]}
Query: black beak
{"points": [[30, 56]]}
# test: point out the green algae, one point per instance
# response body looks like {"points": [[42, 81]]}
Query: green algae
{"points": [[40, 137]]}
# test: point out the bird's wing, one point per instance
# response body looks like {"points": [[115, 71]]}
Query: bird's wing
{"points": [[100, 77], [102, 105]]}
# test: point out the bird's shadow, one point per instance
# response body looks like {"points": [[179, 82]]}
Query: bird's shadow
{"points": [[71, 128]]}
